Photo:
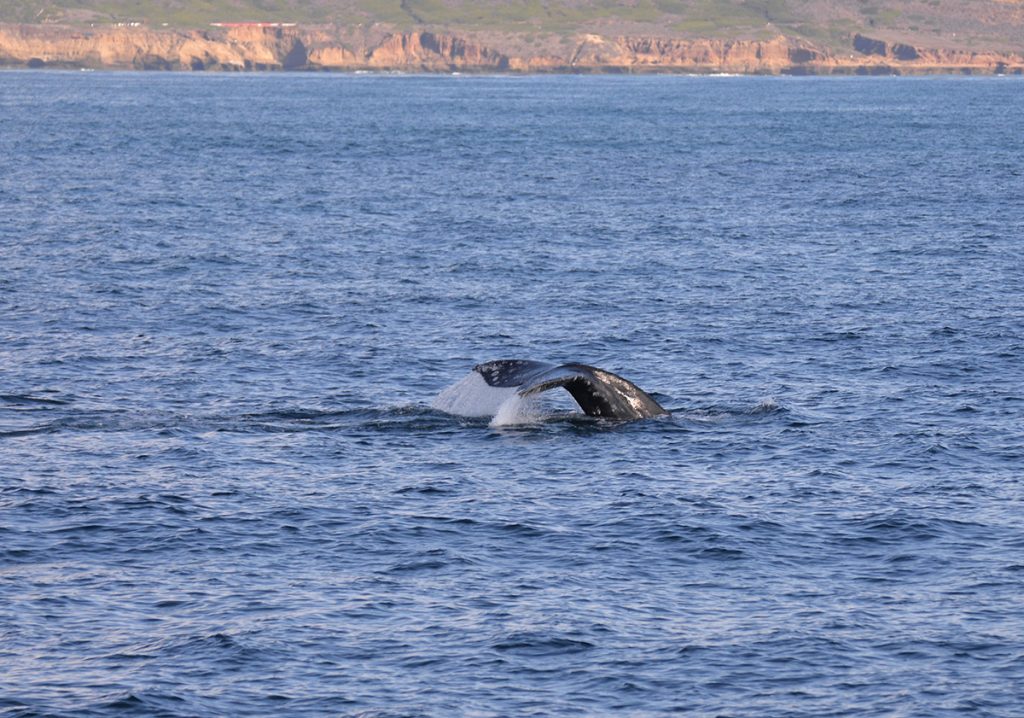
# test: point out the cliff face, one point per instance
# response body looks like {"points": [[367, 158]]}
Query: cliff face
{"points": [[433, 52], [737, 56], [902, 56], [278, 48], [246, 48]]}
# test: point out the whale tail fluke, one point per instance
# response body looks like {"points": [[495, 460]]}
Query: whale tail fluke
{"points": [[599, 393]]}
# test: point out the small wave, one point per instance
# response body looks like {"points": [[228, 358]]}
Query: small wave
{"points": [[839, 336], [720, 553], [134, 702], [126, 701], [425, 490], [417, 566], [537, 645], [28, 431], [7, 705], [521, 529], [900, 527], [28, 399], [713, 414], [296, 414], [768, 405], [219, 645]]}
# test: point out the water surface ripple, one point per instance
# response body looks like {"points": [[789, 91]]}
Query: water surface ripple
{"points": [[226, 303]]}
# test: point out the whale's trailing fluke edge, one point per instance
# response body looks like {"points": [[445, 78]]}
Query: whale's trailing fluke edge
{"points": [[598, 392]]}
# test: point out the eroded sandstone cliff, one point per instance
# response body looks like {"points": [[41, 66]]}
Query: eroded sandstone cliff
{"points": [[328, 48]]}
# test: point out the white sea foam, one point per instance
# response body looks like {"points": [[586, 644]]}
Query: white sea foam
{"points": [[520, 410], [767, 405]]}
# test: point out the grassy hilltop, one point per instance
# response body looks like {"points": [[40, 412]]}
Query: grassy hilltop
{"points": [[966, 24]]}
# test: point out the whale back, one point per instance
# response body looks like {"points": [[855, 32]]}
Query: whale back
{"points": [[599, 393]]}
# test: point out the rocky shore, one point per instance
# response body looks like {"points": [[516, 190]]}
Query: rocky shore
{"points": [[247, 48]]}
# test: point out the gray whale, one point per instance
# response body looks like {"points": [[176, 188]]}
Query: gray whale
{"points": [[598, 392]]}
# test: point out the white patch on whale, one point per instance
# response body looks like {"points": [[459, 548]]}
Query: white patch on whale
{"points": [[472, 397]]}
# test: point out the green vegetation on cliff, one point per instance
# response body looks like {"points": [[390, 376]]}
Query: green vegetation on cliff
{"points": [[966, 24]]}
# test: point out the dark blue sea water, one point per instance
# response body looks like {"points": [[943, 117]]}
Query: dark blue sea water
{"points": [[227, 303]]}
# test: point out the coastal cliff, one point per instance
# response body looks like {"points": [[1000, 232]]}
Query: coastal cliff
{"points": [[258, 47]]}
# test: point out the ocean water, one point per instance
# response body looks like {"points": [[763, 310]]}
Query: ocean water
{"points": [[228, 302]]}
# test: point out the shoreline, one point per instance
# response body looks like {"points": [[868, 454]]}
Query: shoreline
{"points": [[342, 49], [376, 72]]}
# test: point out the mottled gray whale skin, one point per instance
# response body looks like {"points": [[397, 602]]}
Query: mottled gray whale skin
{"points": [[598, 392]]}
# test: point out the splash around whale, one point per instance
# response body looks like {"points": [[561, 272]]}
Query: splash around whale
{"points": [[508, 391]]}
